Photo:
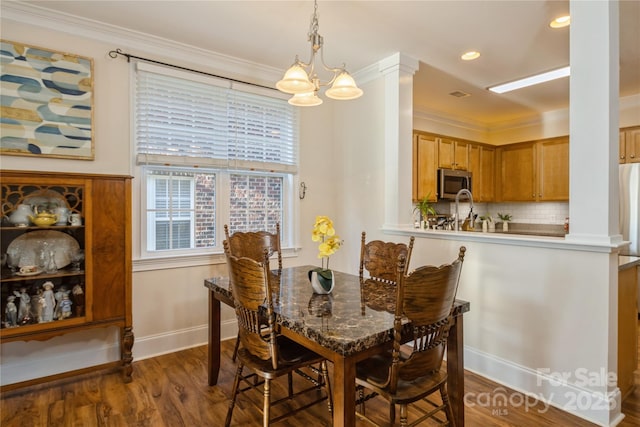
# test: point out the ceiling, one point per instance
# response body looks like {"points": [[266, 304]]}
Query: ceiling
{"points": [[513, 37]]}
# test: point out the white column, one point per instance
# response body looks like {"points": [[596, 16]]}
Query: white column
{"points": [[398, 71], [594, 129], [594, 123]]}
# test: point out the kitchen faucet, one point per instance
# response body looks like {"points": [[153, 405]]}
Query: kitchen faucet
{"points": [[456, 224]]}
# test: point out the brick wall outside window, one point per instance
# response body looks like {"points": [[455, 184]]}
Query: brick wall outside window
{"points": [[205, 212], [256, 202]]}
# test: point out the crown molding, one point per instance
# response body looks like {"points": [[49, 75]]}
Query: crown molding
{"points": [[449, 120], [126, 39], [629, 102]]}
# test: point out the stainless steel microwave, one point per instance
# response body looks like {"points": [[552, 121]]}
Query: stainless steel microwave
{"points": [[451, 181]]}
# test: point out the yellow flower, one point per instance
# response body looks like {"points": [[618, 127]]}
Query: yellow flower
{"points": [[329, 247], [322, 227], [324, 233]]}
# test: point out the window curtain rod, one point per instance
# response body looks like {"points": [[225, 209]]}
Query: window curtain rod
{"points": [[114, 54]]}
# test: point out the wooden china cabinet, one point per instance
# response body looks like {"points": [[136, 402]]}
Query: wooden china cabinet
{"points": [[85, 267]]}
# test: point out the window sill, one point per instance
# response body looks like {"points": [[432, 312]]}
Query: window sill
{"points": [[186, 261]]}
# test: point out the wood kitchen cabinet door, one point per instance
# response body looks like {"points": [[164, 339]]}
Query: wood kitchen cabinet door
{"points": [[482, 166], [425, 167], [517, 172], [630, 145], [553, 169], [453, 154]]}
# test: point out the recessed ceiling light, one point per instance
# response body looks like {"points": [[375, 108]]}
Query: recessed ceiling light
{"points": [[468, 56], [561, 22], [530, 81]]}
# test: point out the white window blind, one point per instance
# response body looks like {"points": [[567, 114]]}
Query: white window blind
{"points": [[184, 119]]}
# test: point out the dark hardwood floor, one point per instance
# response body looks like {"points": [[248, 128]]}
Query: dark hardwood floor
{"points": [[172, 390]]}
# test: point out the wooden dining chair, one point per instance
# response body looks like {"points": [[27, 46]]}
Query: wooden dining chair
{"points": [[380, 259], [251, 244], [411, 373], [266, 354]]}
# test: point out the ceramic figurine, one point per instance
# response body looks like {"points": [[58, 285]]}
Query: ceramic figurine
{"points": [[49, 301], [11, 312], [23, 307], [37, 306], [59, 295], [65, 306], [78, 299]]}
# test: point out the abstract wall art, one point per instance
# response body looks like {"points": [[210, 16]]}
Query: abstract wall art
{"points": [[46, 102]]}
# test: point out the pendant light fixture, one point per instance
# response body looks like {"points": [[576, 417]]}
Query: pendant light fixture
{"points": [[302, 80]]}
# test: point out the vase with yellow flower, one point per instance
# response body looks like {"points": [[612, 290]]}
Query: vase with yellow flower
{"points": [[322, 278]]}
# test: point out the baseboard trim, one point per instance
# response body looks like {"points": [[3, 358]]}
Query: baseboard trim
{"points": [[603, 409], [170, 342]]}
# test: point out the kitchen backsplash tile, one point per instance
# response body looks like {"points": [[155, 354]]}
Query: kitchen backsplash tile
{"points": [[530, 213]]}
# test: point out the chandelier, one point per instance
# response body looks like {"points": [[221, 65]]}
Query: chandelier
{"points": [[302, 80]]}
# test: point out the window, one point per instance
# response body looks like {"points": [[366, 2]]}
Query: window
{"points": [[211, 153]]}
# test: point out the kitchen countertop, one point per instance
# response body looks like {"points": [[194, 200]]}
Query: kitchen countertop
{"points": [[625, 262], [512, 238]]}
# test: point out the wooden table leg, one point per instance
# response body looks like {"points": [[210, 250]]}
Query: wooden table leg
{"points": [[455, 370], [344, 389], [214, 339]]}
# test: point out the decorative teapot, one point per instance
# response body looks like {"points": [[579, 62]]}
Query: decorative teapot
{"points": [[20, 216], [43, 218]]}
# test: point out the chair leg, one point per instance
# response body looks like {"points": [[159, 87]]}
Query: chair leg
{"points": [[234, 394], [361, 399], [327, 386], [403, 415], [235, 349], [290, 384], [392, 413], [447, 405], [267, 403]]}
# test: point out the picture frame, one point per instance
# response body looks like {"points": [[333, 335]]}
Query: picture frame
{"points": [[47, 108]]}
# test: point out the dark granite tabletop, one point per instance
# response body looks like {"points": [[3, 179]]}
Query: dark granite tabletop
{"points": [[353, 318]]}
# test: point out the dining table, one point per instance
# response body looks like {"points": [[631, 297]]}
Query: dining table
{"points": [[348, 325]]}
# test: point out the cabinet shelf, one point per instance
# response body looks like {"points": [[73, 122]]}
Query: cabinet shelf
{"points": [[7, 276], [34, 227], [32, 329]]}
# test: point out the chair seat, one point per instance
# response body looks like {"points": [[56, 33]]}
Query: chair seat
{"points": [[374, 371], [291, 355]]}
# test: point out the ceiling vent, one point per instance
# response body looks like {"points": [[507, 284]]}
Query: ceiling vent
{"points": [[459, 94]]}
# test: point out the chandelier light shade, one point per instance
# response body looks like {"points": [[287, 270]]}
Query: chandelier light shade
{"points": [[302, 80], [295, 80], [344, 87], [308, 99]]}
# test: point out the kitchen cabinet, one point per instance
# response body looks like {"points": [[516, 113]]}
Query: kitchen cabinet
{"points": [[628, 282], [453, 154], [81, 269], [535, 171], [482, 166], [425, 167], [517, 172], [553, 169], [630, 145]]}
